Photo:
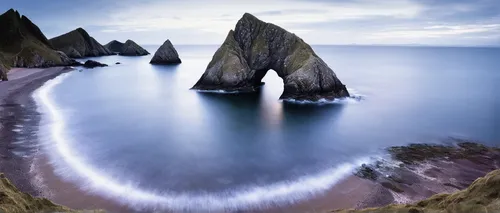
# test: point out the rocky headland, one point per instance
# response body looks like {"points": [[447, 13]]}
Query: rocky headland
{"points": [[129, 48], [22, 44], [78, 44], [254, 47], [166, 55]]}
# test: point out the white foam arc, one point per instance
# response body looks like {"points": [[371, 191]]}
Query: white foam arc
{"points": [[274, 194]]}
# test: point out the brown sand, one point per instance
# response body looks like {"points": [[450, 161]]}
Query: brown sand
{"points": [[17, 108], [346, 194]]}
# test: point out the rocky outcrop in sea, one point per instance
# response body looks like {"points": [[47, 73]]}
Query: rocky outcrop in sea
{"points": [[93, 64], [22, 44], [130, 48], [255, 47], [78, 43], [166, 55], [114, 46]]}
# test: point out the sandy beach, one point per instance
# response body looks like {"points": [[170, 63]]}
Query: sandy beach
{"points": [[19, 121], [28, 167]]}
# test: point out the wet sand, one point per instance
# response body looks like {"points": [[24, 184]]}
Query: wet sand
{"points": [[395, 182], [25, 164], [19, 122]]}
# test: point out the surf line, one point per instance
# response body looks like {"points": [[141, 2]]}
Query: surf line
{"points": [[280, 193]]}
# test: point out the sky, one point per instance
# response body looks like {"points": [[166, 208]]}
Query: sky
{"points": [[363, 22]]}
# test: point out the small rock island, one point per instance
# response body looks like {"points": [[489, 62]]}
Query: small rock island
{"points": [[166, 55], [78, 44], [129, 48], [254, 47]]}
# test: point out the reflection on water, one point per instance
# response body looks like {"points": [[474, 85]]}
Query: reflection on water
{"points": [[143, 118]]}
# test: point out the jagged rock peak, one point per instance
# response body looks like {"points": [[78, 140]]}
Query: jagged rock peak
{"points": [[78, 43], [130, 48], [114, 46], [255, 47], [166, 54]]}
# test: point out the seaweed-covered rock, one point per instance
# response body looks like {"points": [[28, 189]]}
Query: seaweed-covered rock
{"points": [[416, 153], [114, 46], [166, 55], [367, 172], [255, 47], [22, 44], [130, 48], [93, 64], [78, 43]]}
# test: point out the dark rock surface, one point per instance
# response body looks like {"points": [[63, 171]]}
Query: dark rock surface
{"points": [[3, 72], [114, 46], [22, 44], [255, 47], [482, 196], [78, 43], [418, 171], [130, 48], [166, 55], [93, 64]]}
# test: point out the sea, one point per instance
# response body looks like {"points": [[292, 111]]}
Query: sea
{"points": [[136, 132]]}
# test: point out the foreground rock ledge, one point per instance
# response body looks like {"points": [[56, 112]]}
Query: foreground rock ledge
{"points": [[255, 47], [482, 196]]}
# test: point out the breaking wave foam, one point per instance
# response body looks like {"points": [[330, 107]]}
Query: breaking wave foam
{"points": [[70, 165], [354, 97]]}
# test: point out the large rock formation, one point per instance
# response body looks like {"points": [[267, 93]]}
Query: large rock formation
{"points": [[22, 44], [114, 46], [78, 44], [166, 54], [255, 47], [130, 48]]}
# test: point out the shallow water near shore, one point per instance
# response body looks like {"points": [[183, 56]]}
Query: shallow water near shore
{"points": [[135, 132]]}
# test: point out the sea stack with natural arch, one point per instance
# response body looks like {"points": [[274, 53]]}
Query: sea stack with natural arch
{"points": [[254, 47]]}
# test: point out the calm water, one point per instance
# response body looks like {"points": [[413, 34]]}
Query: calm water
{"points": [[136, 131]]}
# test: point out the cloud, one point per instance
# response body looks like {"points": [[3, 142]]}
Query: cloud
{"points": [[450, 22]]}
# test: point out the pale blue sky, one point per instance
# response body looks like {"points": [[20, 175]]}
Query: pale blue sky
{"points": [[424, 22]]}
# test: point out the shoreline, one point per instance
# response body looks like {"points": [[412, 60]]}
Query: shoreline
{"points": [[28, 167], [19, 123]]}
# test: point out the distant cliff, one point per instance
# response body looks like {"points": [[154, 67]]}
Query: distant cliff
{"points": [[78, 43], [22, 44]]}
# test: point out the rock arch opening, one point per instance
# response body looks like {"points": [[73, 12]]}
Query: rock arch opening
{"points": [[256, 47]]}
